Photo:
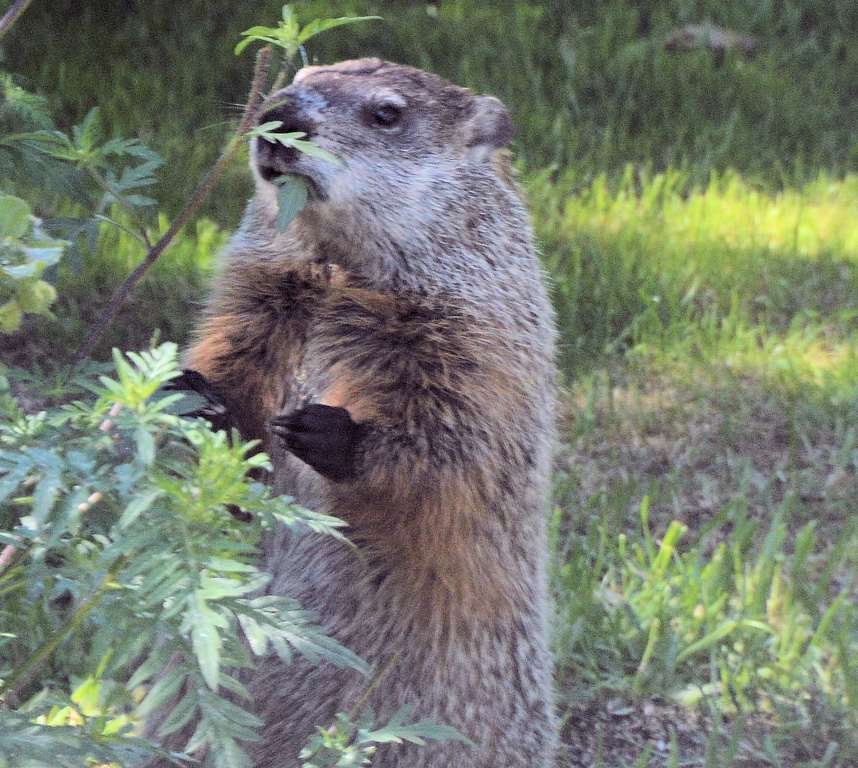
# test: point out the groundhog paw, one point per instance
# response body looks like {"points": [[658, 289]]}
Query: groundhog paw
{"points": [[212, 409], [322, 436]]}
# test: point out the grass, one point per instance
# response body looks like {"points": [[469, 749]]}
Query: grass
{"points": [[651, 254], [697, 218], [704, 528]]}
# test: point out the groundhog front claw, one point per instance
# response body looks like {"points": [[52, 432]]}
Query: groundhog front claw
{"points": [[323, 436], [213, 409]]}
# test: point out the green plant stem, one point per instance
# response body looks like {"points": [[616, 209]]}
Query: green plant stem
{"points": [[355, 710], [97, 177], [12, 687], [12, 14], [251, 113]]}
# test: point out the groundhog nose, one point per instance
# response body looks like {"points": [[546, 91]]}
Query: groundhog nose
{"points": [[272, 158], [292, 117]]}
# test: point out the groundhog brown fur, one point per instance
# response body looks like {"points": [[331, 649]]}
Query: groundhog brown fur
{"points": [[393, 349]]}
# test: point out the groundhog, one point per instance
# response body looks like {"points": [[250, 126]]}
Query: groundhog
{"points": [[393, 349]]}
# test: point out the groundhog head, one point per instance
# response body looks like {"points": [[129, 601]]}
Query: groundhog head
{"points": [[412, 148]]}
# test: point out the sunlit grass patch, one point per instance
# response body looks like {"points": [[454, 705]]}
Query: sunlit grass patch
{"points": [[809, 362], [814, 360], [652, 259], [706, 496], [729, 212]]}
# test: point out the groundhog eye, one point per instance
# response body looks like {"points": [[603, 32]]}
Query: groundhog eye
{"points": [[387, 115]]}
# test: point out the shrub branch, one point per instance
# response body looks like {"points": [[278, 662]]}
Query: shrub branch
{"points": [[251, 113], [12, 14]]}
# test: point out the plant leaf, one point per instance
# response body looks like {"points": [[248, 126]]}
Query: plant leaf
{"points": [[320, 25], [206, 640], [291, 199], [14, 217]]}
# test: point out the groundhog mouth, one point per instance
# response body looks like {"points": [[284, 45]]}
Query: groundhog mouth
{"points": [[274, 163], [313, 190], [276, 176]]}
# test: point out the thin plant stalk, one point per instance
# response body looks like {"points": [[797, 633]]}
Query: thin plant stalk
{"points": [[251, 113], [12, 15], [141, 233]]}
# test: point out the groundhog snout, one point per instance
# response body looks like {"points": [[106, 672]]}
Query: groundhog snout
{"points": [[272, 158]]}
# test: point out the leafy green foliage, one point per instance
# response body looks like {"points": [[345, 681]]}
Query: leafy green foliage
{"points": [[86, 150], [21, 110], [83, 148], [115, 515], [289, 35], [25, 252], [25, 744], [268, 132], [291, 198], [164, 306], [83, 726], [23, 168], [353, 743]]}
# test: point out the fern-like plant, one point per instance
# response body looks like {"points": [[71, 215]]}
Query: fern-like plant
{"points": [[119, 545]]}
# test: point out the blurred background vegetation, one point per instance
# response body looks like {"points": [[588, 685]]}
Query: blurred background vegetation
{"points": [[592, 87], [690, 165], [596, 90], [600, 90]]}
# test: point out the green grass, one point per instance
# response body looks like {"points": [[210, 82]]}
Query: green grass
{"points": [[697, 219], [705, 499], [646, 256]]}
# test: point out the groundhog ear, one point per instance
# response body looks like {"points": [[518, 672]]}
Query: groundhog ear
{"points": [[490, 125]]}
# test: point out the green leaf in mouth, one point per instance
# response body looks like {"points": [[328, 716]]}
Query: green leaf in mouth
{"points": [[291, 199]]}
